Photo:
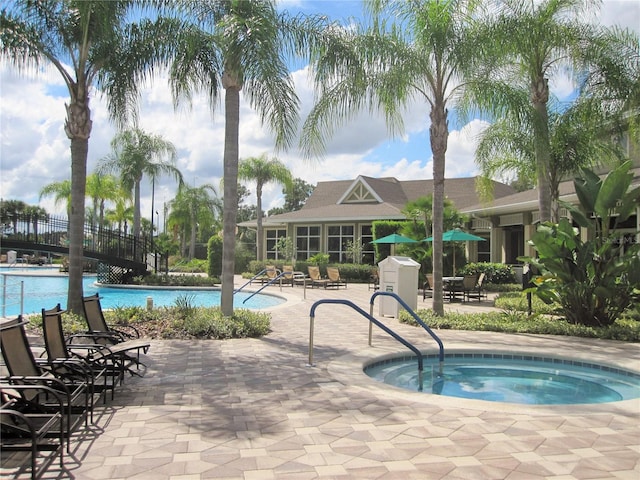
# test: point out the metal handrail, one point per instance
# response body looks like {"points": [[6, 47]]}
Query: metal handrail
{"points": [[371, 320], [415, 317], [270, 282], [249, 282]]}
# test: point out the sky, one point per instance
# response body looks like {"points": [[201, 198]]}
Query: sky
{"points": [[34, 149]]}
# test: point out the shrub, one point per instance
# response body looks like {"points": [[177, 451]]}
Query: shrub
{"points": [[210, 323], [191, 266], [518, 301], [244, 255], [175, 280], [510, 321], [320, 259], [214, 256], [595, 279], [496, 273]]}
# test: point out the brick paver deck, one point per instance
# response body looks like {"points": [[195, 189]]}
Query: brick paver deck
{"points": [[252, 409]]}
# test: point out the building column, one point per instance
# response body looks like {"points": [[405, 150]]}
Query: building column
{"points": [[497, 245]]}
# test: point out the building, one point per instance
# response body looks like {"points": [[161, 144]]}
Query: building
{"points": [[344, 210]]}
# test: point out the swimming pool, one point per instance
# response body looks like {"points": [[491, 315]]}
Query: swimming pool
{"points": [[45, 291], [510, 378]]}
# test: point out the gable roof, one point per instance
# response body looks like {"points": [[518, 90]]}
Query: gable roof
{"points": [[330, 200]]}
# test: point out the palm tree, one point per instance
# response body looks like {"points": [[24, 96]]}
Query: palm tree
{"points": [[10, 210], [576, 140], [122, 212], [33, 214], [136, 154], [101, 188], [263, 170], [92, 44], [524, 46], [239, 45], [199, 207], [388, 67], [60, 191]]}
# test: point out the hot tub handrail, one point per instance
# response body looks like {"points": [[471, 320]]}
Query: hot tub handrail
{"points": [[251, 280], [312, 314], [270, 282], [415, 317]]}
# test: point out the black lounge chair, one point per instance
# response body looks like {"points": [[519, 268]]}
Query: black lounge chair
{"points": [[71, 380], [128, 340], [31, 432], [108, 363]]}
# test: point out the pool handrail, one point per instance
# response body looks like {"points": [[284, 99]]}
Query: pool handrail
{"points": [[349, 303], [261, 272], [270, 282], [415, 317]]}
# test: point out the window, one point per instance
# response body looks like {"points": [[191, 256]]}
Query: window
{"points": [[338, 237], [366, 237], [307, 242], [272, 236]]}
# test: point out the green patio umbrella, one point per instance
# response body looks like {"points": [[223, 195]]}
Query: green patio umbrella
{"points": [[456, 235], [393, 239]]}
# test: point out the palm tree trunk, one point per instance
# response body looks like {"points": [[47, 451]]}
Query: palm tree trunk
{"points": [[192, 243], [79, 152], [259, 222], [439, 132], [230, 202], [540, 97], [136, 211]]}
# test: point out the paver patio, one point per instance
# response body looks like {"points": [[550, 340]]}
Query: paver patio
{"points": [[252, 409]]}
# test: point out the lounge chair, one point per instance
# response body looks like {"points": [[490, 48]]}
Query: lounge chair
{"points": [[70, 380], [108, 363], [316, 278], [270, 274], [287, 275], [32, 432], [335, 280], [128, 341]]}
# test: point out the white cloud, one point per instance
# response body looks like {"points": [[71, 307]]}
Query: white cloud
{"points": [[34, 149]]}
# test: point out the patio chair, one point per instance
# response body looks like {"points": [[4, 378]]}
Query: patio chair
{"points": [[335, 280], [374, 279], [427, 286], [70, 380], [477, 290], [469, 283], [316, 278], [108, 363], [30, 432], [102, 333]]}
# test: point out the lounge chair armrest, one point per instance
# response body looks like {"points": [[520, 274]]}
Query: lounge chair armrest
{"points": [[119, 329], [39, 381], [9, 392], [112, 337]]}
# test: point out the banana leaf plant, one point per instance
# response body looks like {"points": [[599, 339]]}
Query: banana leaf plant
{"points": [[595, 277]]}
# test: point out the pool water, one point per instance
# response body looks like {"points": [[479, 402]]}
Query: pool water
{"points": [[41, 291], [523, 379]]}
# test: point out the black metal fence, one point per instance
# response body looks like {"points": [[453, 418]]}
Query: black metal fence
{"points": [[50, 233]]}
